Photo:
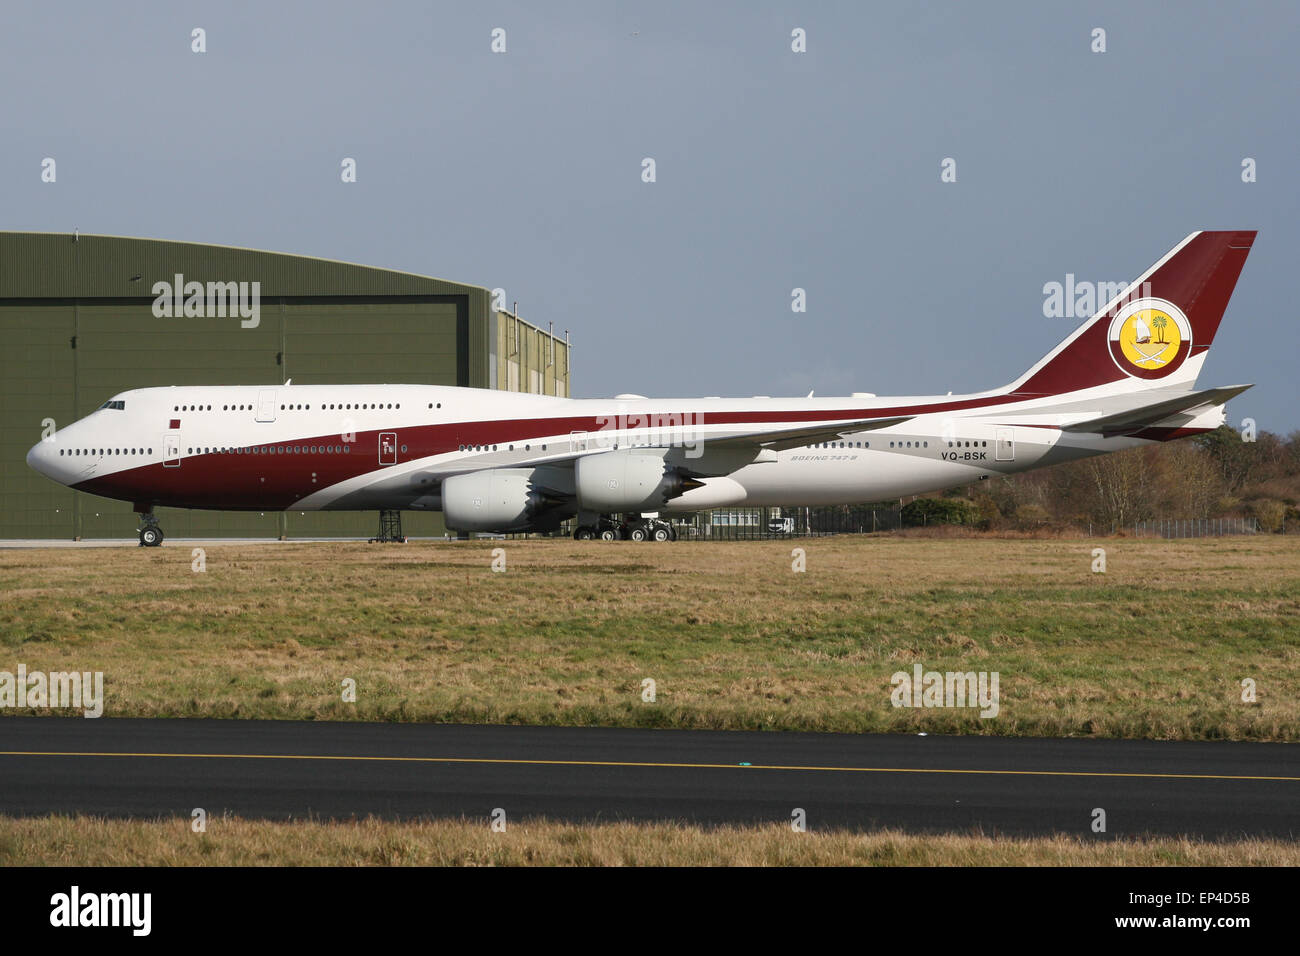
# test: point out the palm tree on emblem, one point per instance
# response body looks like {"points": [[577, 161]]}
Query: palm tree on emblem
{"points": [[1160, 322]]}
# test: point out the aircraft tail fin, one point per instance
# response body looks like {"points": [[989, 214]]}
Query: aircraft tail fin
{"points": [[1154, 334]]}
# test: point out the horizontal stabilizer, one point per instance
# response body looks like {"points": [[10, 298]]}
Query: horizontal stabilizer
{"points": [[1135, 419]]}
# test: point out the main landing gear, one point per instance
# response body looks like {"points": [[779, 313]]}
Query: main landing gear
{"points": [[631, 528], [151, 533]]}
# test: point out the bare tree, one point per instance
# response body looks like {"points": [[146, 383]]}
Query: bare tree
{"points": [[1193, 478], [1121, 485]]}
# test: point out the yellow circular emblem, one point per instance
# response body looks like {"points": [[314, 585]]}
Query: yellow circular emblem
{"points": [[1149, 338]]}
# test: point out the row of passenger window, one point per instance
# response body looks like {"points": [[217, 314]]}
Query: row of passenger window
{"points": [[276, 450], [105, 451], [897, 444], [266, 450], [488, 448], [291, 408], [332, 406]]}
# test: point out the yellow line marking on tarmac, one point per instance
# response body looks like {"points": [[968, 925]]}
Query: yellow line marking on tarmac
{"points": [[636, 763]]}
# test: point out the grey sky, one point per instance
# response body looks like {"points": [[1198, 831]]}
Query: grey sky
{"points": [[775, 169]]}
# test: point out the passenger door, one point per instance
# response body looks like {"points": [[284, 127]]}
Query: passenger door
{"points": [[266, 405], [388, 448], [1005, 445], [172, 450]]}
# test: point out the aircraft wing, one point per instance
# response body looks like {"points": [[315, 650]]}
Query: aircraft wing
{"points": [[742, 447], [1135, 419], [797, 436]]}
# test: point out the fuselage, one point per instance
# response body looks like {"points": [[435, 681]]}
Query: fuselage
{"points": [[363, 447]]}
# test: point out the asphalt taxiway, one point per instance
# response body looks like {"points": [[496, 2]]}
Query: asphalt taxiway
{"points": [[333, 770]]}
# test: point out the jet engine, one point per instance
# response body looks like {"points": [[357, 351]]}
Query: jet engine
{"points": [[501, 499], [628, 480]]}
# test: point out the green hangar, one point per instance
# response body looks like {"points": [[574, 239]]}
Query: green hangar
{"points": [[83, 317]]}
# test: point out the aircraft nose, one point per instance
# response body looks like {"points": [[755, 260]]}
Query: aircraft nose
{"points": [[39, 458]]}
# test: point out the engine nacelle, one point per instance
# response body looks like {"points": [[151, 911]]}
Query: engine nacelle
{"points": [[627, 480], [501, 499]]}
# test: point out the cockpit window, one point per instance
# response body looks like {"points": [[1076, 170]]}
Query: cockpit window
{"points": [[119, 405]]}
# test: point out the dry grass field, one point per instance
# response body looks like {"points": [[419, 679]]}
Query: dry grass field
{"points": [[1156, 647], [92, 841]]}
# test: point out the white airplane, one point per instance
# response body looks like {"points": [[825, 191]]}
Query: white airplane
{"points": [[511, 462]]}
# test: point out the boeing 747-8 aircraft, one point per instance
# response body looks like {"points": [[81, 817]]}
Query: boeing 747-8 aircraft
{"points": [[511, 462]]}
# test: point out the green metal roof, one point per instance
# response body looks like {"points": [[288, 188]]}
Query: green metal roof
{"points": [[67, 265]]}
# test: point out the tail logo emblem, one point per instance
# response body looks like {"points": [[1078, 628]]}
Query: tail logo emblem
{"points": [[1150, 338]]}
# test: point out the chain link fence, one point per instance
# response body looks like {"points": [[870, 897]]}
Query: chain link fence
{"points": [[759, 524], [1194, 527], [774, 524]]}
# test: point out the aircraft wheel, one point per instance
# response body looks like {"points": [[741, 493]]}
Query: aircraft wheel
{"points": [[609, 534], [583, 534], [662, 533], [638, 534], [151, 537]]}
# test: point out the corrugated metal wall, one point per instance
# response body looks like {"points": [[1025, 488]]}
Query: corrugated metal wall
{"points": [[37, 372], [78, 326], [529, 359]]}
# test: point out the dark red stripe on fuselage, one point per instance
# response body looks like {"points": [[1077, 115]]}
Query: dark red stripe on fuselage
{"points": [[259, 480]]}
